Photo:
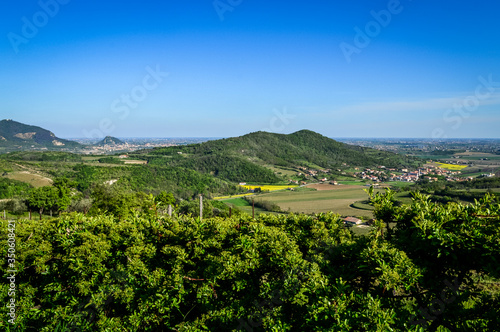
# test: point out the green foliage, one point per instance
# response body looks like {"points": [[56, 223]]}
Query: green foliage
{"points": [[42, 156], [263, 204], [43, 198], [432, 272], [14, 206], [111, 199], [231, 168], [165, 199], [56, 197], [13, 188], [110, 160], [85, 176]]}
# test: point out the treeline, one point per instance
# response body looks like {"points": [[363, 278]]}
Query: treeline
{"points": [[13, 188], [231, 168], [273, 273], [183, 182], [42, 156], [263, 204], [107, 199]]}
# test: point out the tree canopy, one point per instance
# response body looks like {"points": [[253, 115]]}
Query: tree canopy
{"points": [[434, 269]]}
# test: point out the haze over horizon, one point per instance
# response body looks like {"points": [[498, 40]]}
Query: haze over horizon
{"points": [[229, 67]]}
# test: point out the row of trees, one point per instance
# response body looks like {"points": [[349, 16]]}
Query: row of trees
{"points": [[63, 196]]}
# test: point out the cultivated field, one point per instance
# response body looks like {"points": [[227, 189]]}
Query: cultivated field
{"points": [[233, 196], [269, 187], [452, 167], [338, 199], [33, 179]]}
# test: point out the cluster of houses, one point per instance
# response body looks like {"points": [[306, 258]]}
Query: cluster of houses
{"points": [[372, 174], [405, 177], [382, 174], [311, 172]]}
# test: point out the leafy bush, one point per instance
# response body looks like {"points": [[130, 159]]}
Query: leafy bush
{"points": [[287, 272]]}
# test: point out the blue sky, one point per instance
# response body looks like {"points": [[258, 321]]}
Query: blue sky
{"points": [[229, 67]]}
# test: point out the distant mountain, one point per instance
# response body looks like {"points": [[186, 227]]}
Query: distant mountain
{"points": [[109, 140], [252, 156], [19, 136]]}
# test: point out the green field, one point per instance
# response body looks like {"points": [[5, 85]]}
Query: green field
{"points": [[352, 183], [337, 201], [33, 179], [344, 200], [244, 206]]}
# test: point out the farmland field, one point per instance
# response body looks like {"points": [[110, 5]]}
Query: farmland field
{"points": [[245, 206], [337, 200], [452, 167], [33, 179], [269, 187], [233, 196]]}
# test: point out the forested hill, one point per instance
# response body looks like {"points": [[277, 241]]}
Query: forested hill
{"points": [[109, 140], [234, 158], [18, 135]]}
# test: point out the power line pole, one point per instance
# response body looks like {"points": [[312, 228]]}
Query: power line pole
{"points": [[253, 209], [201, 207]]}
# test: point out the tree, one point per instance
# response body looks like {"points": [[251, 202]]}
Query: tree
{"points": [[113, 200], [43, 198], [63, 186], [81, 205], [165, 198], [16, 206]]}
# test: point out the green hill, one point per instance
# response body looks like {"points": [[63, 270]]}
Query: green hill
{"points": [[18, 136], [109, 140], [248, 158]]}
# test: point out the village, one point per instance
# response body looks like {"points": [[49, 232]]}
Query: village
{"points": [[381, 174]]}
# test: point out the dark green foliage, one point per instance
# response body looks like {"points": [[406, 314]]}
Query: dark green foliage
{"points": [[42, 156], [110, 160], [43, 198], [165, 199], [184, 183], [210, 208], [84, 177], [266, 205], [111, 199], [53, 198], [436, 271], [12, 188], [231, 168]]}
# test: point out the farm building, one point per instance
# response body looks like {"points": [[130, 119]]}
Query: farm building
{"points": [[353, 221]]}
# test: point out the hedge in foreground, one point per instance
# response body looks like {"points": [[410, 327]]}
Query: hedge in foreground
{"points": [[436, 270]]}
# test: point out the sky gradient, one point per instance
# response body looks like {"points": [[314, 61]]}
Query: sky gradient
{"points": [[229, 67]]}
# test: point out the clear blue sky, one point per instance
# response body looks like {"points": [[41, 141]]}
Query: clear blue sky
{"points": [[237, 66]]}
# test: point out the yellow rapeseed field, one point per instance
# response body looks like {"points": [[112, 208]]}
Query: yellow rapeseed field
{"points": [[452, 167], [270, 187], [263, 188]]}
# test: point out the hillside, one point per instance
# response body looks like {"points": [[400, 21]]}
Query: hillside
{"points": [[15, 136], [109, 140], [250, 157]]}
